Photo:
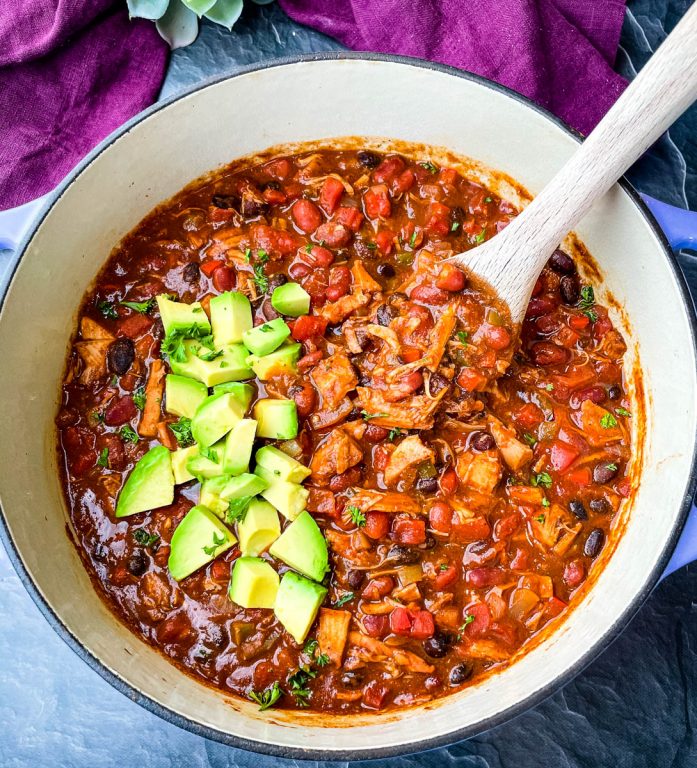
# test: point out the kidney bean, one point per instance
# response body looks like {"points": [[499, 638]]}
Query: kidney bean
{"points": [[355, 578], [482, 441], [429, 294], [224, 278], [485, 577], [600, 506], [305, 398], [595, 394], [319, 256], [497, 337], [332, 233], [375, 434], [277, 280], [562, 263], [119, 411], [594, 543], [191, 272], [570, 289], [548, 353], [450, 278], [376, 625], [306, 215], [377, 524], [603, 473], [378, 588], [574, 573], [440, 517], [120, 355], [540, 305], [346, 480]]}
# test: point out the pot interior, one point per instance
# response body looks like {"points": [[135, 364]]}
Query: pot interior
{"points": [[153, 159]]}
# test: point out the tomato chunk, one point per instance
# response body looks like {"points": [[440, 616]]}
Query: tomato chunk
{"points": [[408, 530], [330, 194], [307, 326], [377, 524], [376, 202], [350, 217], [562, 455]]}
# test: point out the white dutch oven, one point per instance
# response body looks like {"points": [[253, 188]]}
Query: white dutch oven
{"points": [[149, 160]]}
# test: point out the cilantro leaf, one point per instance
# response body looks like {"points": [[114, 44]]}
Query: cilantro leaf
{"points": [[367, 416], [182, 431], [217, 541], [268, 697], [129, 434], [143, 307], [237, 509], [108, 309], [541, 479], [103, 460], [622, 412], [139, 398], [345, 598], [145, 539], [430, 166], [357, 516], [608, 421]]}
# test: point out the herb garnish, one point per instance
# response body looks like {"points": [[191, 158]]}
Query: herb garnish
{"points": [[345, 598], [394, 433], [182, 431], [237, 509], [480, 237], [173, 343], [608, 421], [260, 279], [542, 479], [103, 460], [322, 660], [540, 519], [430, 166], [139, 398], [455, 226], [211, 549], [357, 516], [611, 467], [108, 309], [268, 697], [139, 306], [129, 434], [468, 620], [622, 412], [545, 502], [462, 337], [298, 685], [367, 416], [531, 440], [247, 254], [208, 453], [587, 303], [412, 239], [145, 539]]}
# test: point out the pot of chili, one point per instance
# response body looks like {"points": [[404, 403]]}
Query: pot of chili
{"points": [[418, 526]]}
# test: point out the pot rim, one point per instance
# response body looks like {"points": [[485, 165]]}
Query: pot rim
{"points": [[360, 753]]}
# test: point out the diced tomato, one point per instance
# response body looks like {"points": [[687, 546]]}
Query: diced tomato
{"points": [[308, 326], [574, 573], [440, 517], [330, 194], [601, 326], [119, 411], [376, 625], [408, 530], [377, 524], [497, 337], [422, 625], [554, 606], [306, 215], [134, 326], [404, 182], [224, 278], [376, 202], [487, 359], [350, 217], [581, 476], [520, 561], [374, 695], [447, 176], [529, 416], [578, 322], [293, 190], [400, 621], [220, 214], [506, 526], [566, 337], [410, 354], [208, 267], [280, 169], [450, 278], [485, 577], [471, 380], [438, 219], [274, 242], [444, 578], [388, 169], [470, 528], [333, 234], [385, 240], [562, 455], [624, 487], [449, 481], [477, 619]]}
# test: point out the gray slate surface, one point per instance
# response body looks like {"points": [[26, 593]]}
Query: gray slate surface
{"points": [[635, 707]]}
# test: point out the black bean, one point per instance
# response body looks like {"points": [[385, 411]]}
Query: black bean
{"points": [[225, 201], [562, 263], [427, 484], [192, 272], [99, 553], [272, 185], [578, 510], [137, 563], [437, 646], [250, 207], [403, 555], [385, 314], [458, 215], [352, 679], [268, 311], [368, 159], [364, 379], [430, 543], [437, 383], [603, 473], [482, 441], [386, 270], [277, 280], [354, 578], [594, 543], [614, 393], [217, 636], [460, 673], [363, 250], [600, 506], [570, 289], [120, 355]]}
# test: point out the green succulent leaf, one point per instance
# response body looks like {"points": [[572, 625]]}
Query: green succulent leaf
{"points": [[179, 26], [199, 7], [225, 12], [147, 9]]}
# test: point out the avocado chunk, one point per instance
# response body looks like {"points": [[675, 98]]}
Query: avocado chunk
{"points": [[303, 547], [209, 463], [283, 466], [218, 492], [198, 539], [263, 339], [258, 528], [244, 393], [180, 459], [291, 299], [177, 316], [149, 486], [215, 417], [211, 488], [231, 316], [230, 365], [238, 447], [290, 499], [297, 603], [253, 583], [283, 360], [183, 395], [276, 419]]}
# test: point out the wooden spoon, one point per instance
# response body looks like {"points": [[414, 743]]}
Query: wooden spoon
{"points": [[511, 262]]}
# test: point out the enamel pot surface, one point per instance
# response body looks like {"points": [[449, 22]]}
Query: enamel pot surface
{"points": [[151, 159]]}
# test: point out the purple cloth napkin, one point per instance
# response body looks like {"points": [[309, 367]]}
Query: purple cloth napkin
{"points": [[71, 71], [559, 53]]}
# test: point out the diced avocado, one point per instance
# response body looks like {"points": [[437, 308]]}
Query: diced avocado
{"points": [[238, 447], [180, 459], [290, 499], [177, 316], [149, 486], [231, 316], [259, 528], [297, 603], [283, 360], [231, 365], [253, 583], [276, 419], [198, 539], [210, 494], [209, 463], [263, 339], [215, 417], [303, 547], [243, 485], [244, 393], [291, 299], [183, 395], [281, 464]]}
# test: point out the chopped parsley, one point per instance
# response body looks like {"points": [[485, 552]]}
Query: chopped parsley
{"points": [[549, 387], [108, 309], [487, 200], [541, 479], [608, 421], [129, 434], [310, 647], [145, 539], [462, 337], [217, 541], [262, 256], [545, 502], [267, 698], [611, 467], [260, 279], [97, 417], [143, 307], [103, 460], [322, 660], [345, 598], [238, 509], [247, 254], [367, 416], [357, 516], [468, 620], [455, 226], [182, 431], [173, 346], [622, 412], [139, 398], [412, 239], [298, 685], [394, 433], [540, 519], [443, 566], [208, 356], [430, 166], [208, 453], [531, 440], [479, 239], [587, 303]]}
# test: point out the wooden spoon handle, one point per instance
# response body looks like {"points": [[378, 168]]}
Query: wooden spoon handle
{"points": [[661, 92]]}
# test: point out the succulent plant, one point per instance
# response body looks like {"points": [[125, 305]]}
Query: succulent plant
{"points": [[177, 20]]}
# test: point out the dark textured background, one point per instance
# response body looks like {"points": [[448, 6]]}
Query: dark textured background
{"points": [[635, 707]]}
